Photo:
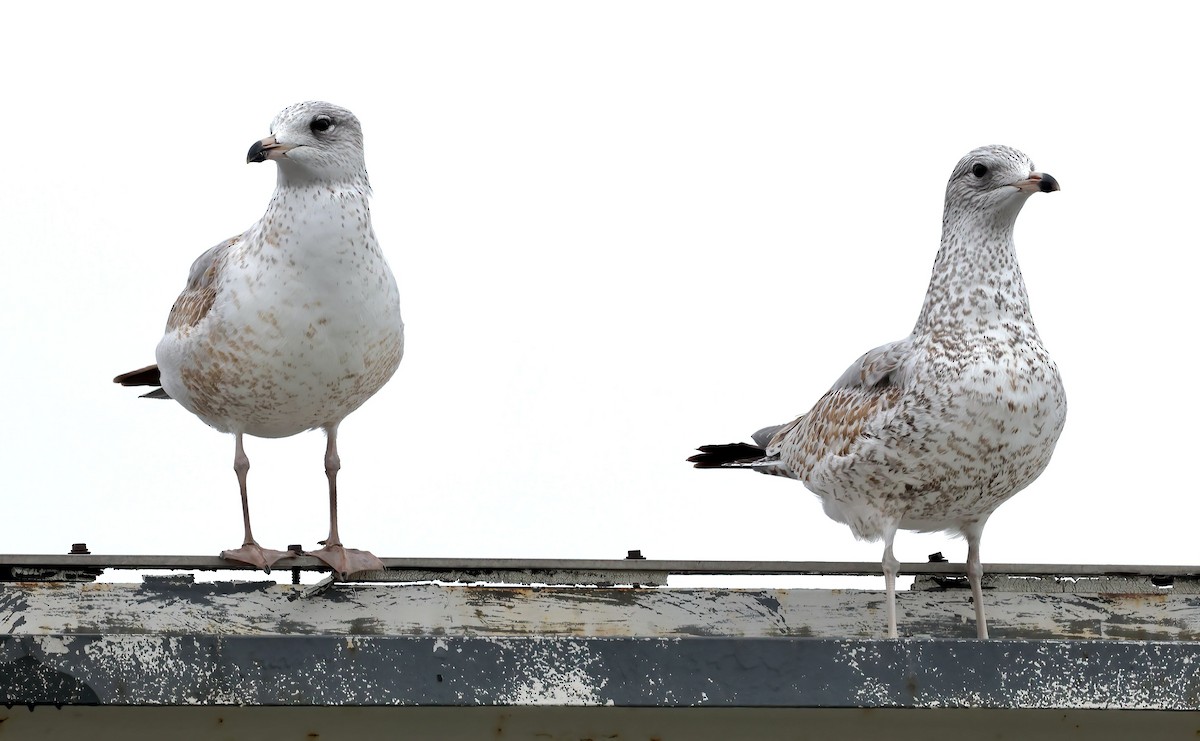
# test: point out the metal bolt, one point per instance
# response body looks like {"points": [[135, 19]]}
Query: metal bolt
{"points": [[79, 549], [635, 555], [298, 548]]}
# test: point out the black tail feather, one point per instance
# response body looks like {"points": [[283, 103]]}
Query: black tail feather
{"points": [[717, 456], [148, 376]]}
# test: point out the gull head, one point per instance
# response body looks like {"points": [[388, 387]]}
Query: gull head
{"points": [[313, 141], [995, 181]]}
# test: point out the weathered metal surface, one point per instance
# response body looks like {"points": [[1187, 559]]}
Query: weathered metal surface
{"points": [[482, 569], [173, 642], [641, 672], [175, 608], [1057, 584], [526, 576], [579, 723]]}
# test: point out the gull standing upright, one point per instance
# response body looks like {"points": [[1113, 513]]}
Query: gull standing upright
{"points": [[294, 323], [937, 430]]}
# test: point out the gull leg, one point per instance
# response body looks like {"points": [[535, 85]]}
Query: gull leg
{"points": [[891, 567], [973, 533], [344, 561], [250, 552]]}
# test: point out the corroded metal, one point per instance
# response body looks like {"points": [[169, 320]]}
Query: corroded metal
{"points": [[547, 723], [1063, 584], [171, 641], [177, 607], [487, 569], [582, 672]]}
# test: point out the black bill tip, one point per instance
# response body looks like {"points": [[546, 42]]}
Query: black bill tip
{"points": [[258, 152]]}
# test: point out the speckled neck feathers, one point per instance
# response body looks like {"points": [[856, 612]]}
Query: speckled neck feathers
{"points": [[976, 284]]}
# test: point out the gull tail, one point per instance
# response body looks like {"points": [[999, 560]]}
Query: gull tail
{"points": [[733, 455], [740, 455], [147, 376]]}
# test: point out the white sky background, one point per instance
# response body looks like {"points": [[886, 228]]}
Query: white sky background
{"points": [[620, 230]]}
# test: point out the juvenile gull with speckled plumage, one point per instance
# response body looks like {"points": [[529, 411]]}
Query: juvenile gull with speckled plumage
{"points": [[937, 430], [293, 324]]}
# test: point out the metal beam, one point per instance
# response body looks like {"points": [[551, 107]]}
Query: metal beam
{"points": [[627, 565], [715, 672]]}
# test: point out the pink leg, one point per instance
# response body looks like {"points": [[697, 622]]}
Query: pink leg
{"points": [[333, 464], [250, 552], [344, 561], [891, 567], [975, 575]]}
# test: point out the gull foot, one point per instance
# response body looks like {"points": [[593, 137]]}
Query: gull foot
{"points": [[347, 561], [255, 555]]}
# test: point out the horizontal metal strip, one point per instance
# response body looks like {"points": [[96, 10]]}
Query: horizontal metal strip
{"points": [[558, 565], [68, 669]]}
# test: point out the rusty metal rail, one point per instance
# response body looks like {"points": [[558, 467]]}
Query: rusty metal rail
{"points": [[618, 566]]}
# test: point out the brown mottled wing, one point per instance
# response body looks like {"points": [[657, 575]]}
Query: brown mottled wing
{"points": [[197, 298], [858, 406], [191, 306], [840, 420]]}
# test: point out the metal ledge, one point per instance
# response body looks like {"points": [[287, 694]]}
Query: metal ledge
{"points": [[171, 642], [113, 723], [580, 672], [174, 606], [468, 569]]}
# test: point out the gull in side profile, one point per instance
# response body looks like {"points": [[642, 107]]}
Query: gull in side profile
{"points": [[294, 323], [937, 430]]}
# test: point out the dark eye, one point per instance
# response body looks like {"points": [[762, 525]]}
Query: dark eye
{"points": [[321, 124], [979, 170]]}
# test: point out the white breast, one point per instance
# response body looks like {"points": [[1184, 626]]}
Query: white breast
{"points": [[304, 328]]}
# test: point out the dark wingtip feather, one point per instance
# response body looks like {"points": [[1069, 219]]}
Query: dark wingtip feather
{"points": [[717, 456], [147, 376]]}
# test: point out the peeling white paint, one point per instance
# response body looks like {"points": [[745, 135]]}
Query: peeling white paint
{"points": [[536, 648], [547, 672], [431, 609], [55, 645], [155, 660]]}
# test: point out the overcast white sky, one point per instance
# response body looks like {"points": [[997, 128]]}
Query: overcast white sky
{"points": [[620, 229]]}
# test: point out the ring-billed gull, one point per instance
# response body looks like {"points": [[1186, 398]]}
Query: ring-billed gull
{"points": [[937, 430], [293, 324]]}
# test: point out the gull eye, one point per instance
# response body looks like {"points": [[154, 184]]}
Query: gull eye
{"points": [[321, 124], [979, 170]]}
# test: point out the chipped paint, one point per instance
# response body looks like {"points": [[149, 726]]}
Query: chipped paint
{"points": [[256, 644], [546, 671], [265, 608]]}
